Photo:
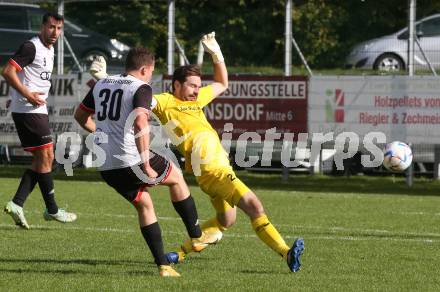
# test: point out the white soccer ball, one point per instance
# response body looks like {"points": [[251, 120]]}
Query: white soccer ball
{"points": [[397, 156]]}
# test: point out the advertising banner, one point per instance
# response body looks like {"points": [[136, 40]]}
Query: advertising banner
{"points": [[64, 97], [257, 103], [403, 108]]}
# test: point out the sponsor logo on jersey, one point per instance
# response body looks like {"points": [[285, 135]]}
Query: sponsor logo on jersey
{"points": [[45, 75]]}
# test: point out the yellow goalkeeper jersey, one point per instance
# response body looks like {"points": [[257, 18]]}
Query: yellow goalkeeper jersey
{"points": [[187, 126]]}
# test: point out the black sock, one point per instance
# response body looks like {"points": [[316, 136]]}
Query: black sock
{"points": [[153, 237], [188, 212], [45, 181], [27, 184]]}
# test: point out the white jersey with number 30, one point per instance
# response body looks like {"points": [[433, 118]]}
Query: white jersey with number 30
{"points": [[114, 101]]}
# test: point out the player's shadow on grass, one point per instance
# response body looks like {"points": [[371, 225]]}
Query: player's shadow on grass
{"points": [[139, 267], [87, 262], [78, 272]]}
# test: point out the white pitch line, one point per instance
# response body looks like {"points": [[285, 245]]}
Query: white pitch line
{"points": [[332, 229], [45, 227], [416, 213], [110, 215], [233, 235], [372, 238], [360, 230], [342, 238]]}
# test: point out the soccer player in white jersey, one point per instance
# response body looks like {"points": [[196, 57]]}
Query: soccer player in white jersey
{"points": [[121, 105], [206, 158], [29, 72]]}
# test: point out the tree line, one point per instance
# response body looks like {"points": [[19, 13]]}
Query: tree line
{"points": [[251, 32]]}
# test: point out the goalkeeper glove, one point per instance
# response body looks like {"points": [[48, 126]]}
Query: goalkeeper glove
{"points": [[98, 68], [211, 46]]}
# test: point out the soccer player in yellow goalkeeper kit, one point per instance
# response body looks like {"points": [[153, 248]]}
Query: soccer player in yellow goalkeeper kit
{"points": [[182, 114]]}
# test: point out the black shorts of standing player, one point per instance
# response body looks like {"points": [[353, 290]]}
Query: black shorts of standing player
{"points": [[126, 182], [33, 130]]}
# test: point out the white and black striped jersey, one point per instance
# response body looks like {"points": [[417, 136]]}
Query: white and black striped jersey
{"points": [[34, 63], [112, 100]]}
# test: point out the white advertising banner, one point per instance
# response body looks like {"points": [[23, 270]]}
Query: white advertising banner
{"points": [[7, 128], [62, 102], [403, 108], [64, 97]]}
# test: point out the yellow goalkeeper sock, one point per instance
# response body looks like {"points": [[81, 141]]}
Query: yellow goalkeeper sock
{"points": [[210, 226], [269, 235]]}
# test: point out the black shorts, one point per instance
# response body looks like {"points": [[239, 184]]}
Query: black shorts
{"points": [[126, 182], [33, 130]]}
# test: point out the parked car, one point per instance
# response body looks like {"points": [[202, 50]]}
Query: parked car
{"points": [[390, 53], [19, 22]]}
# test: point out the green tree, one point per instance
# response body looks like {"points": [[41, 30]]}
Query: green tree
{"points": [[133, 22], [251, 32]]}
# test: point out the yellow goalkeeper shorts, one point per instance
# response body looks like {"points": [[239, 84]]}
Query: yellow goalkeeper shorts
{"points": [[223, 187]]}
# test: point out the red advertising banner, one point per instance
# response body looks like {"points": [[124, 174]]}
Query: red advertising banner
{"points": [[257, 103]]}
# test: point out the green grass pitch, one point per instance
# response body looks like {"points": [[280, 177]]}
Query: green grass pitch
{"points": [[361, 234]]}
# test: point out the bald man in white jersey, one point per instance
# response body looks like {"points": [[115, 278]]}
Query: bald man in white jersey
{"points": [[29, 72]]}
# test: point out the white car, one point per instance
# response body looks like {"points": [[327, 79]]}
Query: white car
{"points": [[390, 53]]}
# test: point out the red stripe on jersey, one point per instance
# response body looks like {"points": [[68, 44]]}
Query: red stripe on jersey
{"points": [[139, 195], [164, 178], [90, 83], [142, 188], [87, 109], [15, 64], [168, 173], [30, 149]]}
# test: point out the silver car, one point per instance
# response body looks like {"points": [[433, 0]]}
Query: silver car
{"points": [[390, 53]]}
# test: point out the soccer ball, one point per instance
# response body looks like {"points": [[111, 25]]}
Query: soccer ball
{"points": [[397, 156]]}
